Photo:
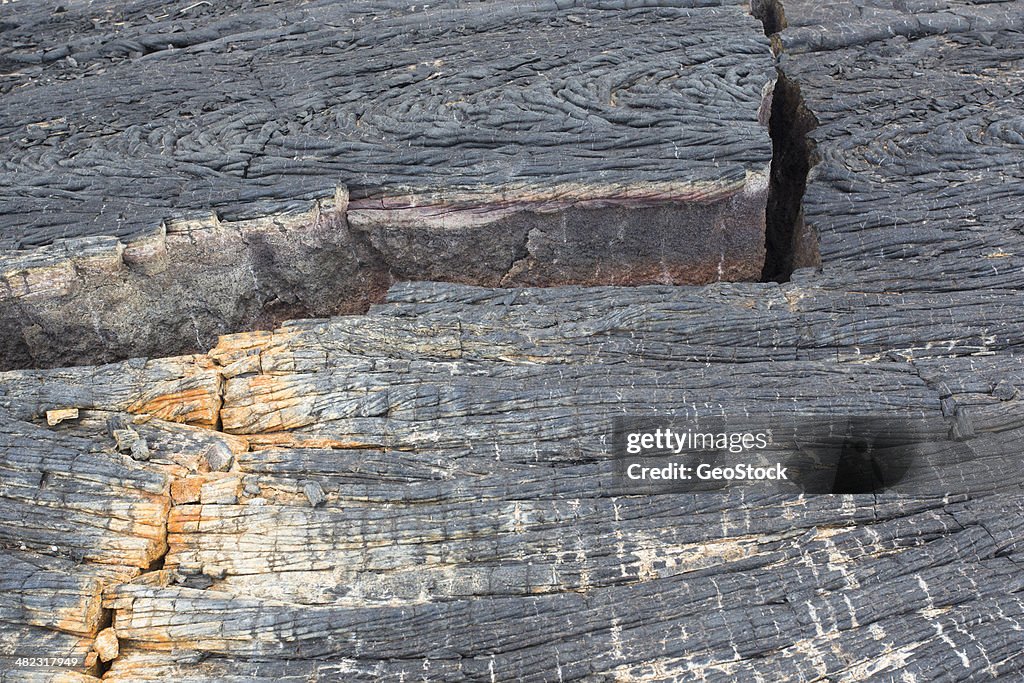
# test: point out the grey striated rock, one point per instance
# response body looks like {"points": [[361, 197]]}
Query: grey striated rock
{"points": [[477, 527]]}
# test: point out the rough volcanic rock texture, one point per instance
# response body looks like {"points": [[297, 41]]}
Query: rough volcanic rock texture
{"points": [[176, 171], [425, 491], [428, 489]]}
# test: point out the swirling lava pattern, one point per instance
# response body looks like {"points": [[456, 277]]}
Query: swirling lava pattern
{"points": [[172, 114], [921, 141]]}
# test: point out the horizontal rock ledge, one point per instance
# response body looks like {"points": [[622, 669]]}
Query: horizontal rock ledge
{"points": [[138, 223], [93, 300]]}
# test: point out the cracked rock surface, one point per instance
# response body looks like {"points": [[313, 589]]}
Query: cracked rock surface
{"points": [[424, 491], [443, 461], [176, 171]]}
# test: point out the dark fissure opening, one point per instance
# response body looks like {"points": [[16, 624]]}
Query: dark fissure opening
{"points": [[99, 668], [771, 14], [789, 242]]}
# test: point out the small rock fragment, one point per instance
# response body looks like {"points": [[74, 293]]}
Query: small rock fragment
{"points": [[125, 438], [219, 457], [946, 400], [251, 486], [1004, 391], [140, 449], [963, 426], [200, 581], [55, 417], [191, 576], [314, 492], [106, 645], [948, 406], [184, 491]]}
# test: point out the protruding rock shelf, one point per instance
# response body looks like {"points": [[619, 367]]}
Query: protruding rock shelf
{"points": [[175, 171]]}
